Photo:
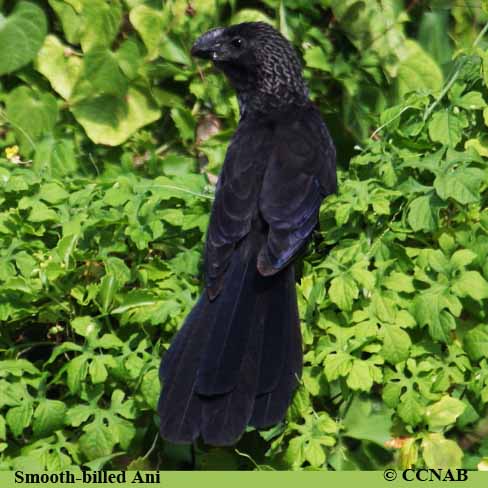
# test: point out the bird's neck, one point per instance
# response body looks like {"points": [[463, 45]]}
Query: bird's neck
{"points": [[271, 97], [267, 87]]}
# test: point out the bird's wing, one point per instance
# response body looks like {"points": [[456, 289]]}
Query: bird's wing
{"points": [[235, 202], [300, 173]]}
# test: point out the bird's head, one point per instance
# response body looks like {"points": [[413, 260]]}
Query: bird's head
{"points": [[260, 63]]}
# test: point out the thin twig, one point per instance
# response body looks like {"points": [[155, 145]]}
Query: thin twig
{"points": [[151, 449], [184, 190], [92, 161], [243, 454], [381, 127]]}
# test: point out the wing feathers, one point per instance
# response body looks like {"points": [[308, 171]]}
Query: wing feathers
{"points": [[294, 185]]}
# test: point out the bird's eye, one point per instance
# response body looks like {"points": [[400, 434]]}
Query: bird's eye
{"points": [[237, 42]]}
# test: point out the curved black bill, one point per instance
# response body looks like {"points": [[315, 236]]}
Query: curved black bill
{"points": [[207, 44]]}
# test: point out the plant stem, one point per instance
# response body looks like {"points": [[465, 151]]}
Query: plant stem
{"points": [[454, 77]]}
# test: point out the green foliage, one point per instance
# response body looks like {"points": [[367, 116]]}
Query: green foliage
{"points": [[111, 137], [21, 36]]}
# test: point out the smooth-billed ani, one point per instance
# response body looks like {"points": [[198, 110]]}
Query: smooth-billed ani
{"points": [[237, 359]]}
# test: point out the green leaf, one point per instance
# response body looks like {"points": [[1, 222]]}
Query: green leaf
{"points": [[53, 193], [185, 123], [135, 299], [439, 261], [316, 58], [19, 418], [118, 194], [99, 463], [418, 71], [55, 157], [399, 282], [49, 416], [26, 263], [97, 441], [429, 310], [110, 120], [175, 164], [447, 127], [472, 100], [17, 367], [109, 341], [284, 28], [462, 258], [422, 214], [343, 291], [150, 388], [172, 50], [476, 342], [472, 284], [479, 146], [85, 326], [59, 66], [337, 364], [21, 36], [40, 212], [434, 35], [108, 288], [3, 429], [134, 366], [78, 414], [360, 377], [124, 430], [373, 27], [76, 370], [68, 13], [376, 429], [396, 344], [118, 268], [441, 453], [101, 21], [383, 307], [294, 454], [149, 23], [32, 115], [444, 412], [314, 453], [462, 184], [57, 461], [409, 453], [98, 371], [129, 57], [409, 409], [101, 70]]}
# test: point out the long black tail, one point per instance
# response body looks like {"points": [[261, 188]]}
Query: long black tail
{"points": [[236, 360]]}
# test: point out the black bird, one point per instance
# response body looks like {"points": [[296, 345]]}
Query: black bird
{"points": [[238, 357]]}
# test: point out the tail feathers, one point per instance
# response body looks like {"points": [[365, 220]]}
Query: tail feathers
{"points": [[279, 377], [179, 408], [270, 408], [225, 417], [173, 355], [280, 300], [220, 367], [235, 360]]}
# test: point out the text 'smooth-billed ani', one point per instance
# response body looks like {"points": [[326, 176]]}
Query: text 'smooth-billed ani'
{"points": [[238, 357]]}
